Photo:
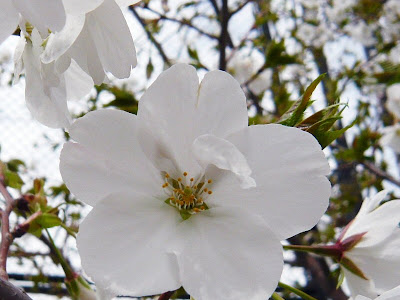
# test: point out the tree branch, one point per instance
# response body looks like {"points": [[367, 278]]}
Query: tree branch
{"points": [[10, 292]]}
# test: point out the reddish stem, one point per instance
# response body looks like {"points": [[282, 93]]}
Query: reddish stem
{"points": [[166, 295], [6, 236]]}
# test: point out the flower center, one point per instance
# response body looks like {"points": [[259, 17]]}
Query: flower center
{"points": [[187, 194]]}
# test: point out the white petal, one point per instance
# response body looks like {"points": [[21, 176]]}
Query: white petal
{"points": [[362, 298], [79, 7], [393, 294], [46, 102], [18, 58], [84, 52], [43, 14], [221, 107], [379, 224], [359, 286], [113, 39], [8, 19], [166, 111], [77, 83], [369, 204], [107, 157], [123, 241], [58, 43], [229, 254], [209, 149], [289, 168], [124, 3]]}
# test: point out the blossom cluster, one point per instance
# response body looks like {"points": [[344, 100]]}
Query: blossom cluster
{"points": [[65, 48]]}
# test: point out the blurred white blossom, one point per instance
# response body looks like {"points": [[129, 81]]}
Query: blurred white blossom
{"points": [[393, 99], [43, 14]]}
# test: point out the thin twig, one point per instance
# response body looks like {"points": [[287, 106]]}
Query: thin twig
{"points": [[224, 17], [151, 37], [166, 295]]}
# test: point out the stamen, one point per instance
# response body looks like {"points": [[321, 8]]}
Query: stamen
{"points": [[185, 173]]}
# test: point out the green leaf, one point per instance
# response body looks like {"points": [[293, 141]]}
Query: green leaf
{"points": [[295, 113], [13, 180], [328, 137], [47, 220], [149, 69], [193, 54]]}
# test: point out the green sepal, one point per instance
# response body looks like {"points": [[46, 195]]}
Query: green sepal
{"points": [[352, 267], [184, 214], [340, 279]]}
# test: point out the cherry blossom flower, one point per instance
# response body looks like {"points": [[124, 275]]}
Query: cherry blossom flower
{"points": [[46, 89], [243, 67], [187, 194], [391, 137], [375, 252], [393, 99], [393, 294], [42, 14], [97, 38]]}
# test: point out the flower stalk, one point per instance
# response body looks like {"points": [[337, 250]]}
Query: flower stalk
{"points": [[295, 291]]}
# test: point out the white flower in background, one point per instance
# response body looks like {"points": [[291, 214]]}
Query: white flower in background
{"points": [[377, 253], [97, 38], [187, 194], [46, 89], [313, 35], [337, 12], [243, 67], [393, 294], [393, 99], [42, 14], [362, 32], [391, 137]]}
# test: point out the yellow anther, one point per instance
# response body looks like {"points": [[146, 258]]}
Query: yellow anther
{"points": [[166, 175], [202, 208], [184, 173], [209, 192], [209, 181], [192, 179], [196, 210], [205, 190], [165, 185], [179, 179]]}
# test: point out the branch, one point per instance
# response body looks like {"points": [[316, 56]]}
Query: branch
{"points": [[10, 292], [6, 236], [239, 8], [151, 37], [223, 39], [380, 173]]}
